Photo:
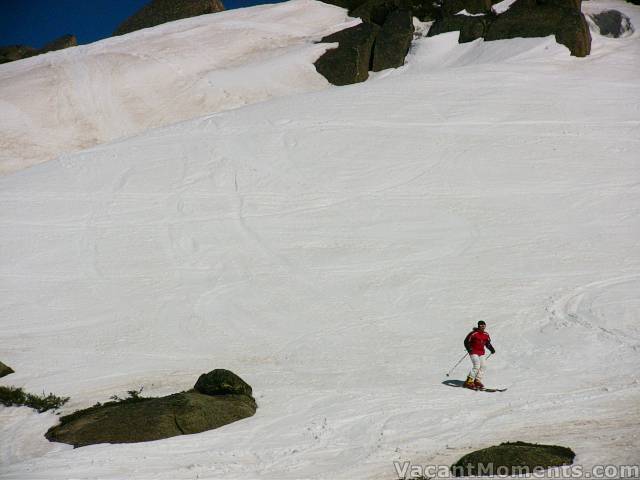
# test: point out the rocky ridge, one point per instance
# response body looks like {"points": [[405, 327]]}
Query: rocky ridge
{"points": [[161, 11], [383, 39], [11, 53]]}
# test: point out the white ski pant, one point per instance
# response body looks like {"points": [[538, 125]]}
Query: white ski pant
{"points": [[477, 372]]}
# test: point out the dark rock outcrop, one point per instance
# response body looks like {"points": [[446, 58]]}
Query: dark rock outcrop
{"points": [[348, 4], [161, 11], [451, 7], [5, 370], [12, 53], [525, 18], [61, 43], [139, 419], [393, 41], [387, 28], [470, 28], [529, 18], [573, 32], [376, 11], [222, 382], [612, 23], [351, 60], [512, 458]]}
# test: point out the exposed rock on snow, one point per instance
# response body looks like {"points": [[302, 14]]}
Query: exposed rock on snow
{"points": [[163, 11], [451, 7], [145, 419], [612, 23], [376, 11], [470, 28], [525, 18], [12, 53], [510, 457], [333, 245], [393, 41], [382, 41], [5, 370], [61, 43], [350, 61], [222, 382]]}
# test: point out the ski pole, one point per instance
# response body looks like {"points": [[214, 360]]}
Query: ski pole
{"points": [[459, 362]]}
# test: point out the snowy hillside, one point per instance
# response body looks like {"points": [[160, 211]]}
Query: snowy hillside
{"points": [[80, 97], [333, 248]]}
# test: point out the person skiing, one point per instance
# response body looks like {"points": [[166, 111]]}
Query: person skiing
{"points": [[475, 342]]}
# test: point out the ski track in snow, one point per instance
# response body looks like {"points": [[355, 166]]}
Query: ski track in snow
{"points": [[333, 248]]}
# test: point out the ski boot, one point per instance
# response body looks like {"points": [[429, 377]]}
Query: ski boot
{"points": [[478, 384], [469, 383]]}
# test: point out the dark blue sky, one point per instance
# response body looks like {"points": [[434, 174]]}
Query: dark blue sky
{"points": [[36, 22]]}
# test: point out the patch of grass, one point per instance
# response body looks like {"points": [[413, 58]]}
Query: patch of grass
{"points": [[13, 396]]}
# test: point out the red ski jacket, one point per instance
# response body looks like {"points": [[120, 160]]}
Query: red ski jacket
{"points": [[476, 341]]}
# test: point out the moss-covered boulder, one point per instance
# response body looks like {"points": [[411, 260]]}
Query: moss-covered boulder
{"points": [[161, 11], [151, 418], [612, 23], [351, 60], [140, 419], [512, 458], [5, 370], [222, 382]]}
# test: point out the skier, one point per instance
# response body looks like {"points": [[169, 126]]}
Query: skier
{"points": [[475, 342]]}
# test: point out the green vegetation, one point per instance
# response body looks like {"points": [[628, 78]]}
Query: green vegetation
{"points": [[12, 396]]}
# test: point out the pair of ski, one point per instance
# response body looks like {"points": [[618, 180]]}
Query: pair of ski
{"points": [[491, 390], [485, 389], [460, 384]]}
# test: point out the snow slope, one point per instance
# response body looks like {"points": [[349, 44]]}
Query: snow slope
{"points": [[333, 248], [80, 97]]}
